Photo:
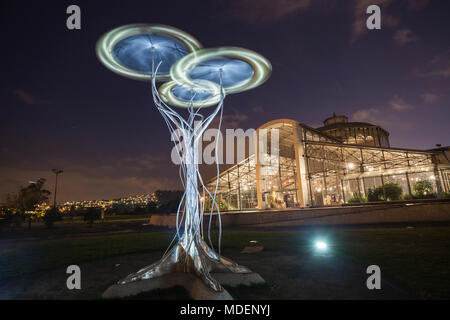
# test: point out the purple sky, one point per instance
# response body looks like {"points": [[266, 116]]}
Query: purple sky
{"points": [[62, 109]]}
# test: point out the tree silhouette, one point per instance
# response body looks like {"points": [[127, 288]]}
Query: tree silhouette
{"points": [[27, 198]]}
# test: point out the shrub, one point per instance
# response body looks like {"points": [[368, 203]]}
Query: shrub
{"points": [[408, 197], [17, 220], [7, 217], [375, 194], [356, 198], [51, 216], [223, 205], [5, 221], [92, 214], [393, 191], [423, 189]]}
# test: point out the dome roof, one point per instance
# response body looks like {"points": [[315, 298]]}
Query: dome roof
{"points": [[350, 125]]}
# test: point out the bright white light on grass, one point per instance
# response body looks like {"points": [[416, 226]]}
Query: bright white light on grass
{"points": [[321, 245]]}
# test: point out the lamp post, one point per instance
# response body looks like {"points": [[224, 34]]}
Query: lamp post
{"points": [[56, 172]]}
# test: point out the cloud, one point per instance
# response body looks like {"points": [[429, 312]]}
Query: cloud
{"points": [[25, 97], [404, 36], [79, 186], [417, 4], [366, 115], [398, 104], [390, 115], [429, 97], [254, 11], [138, 166], [383, 118], [108, 179], [441, 72], [389, 21], [258, 109], [231, 121], [439, 66]]}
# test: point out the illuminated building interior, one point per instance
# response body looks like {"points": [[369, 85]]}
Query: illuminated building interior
{"points": [[341, 162]]}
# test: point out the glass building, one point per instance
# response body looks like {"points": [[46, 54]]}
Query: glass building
{"points": [[341, 162]]}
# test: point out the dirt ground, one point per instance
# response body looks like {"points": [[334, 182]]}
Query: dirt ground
{"points": [[288, 276]]}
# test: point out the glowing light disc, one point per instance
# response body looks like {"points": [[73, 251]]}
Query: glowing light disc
{"points": [[183, 69], [136, 52], [202, 93], [140, 42], [227, 71]]}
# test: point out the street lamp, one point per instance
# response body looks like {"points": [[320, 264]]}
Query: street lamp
{"points": [[56, 172]]}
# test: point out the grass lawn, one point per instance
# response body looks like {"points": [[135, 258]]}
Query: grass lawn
{"points": [[414, 258], [77, 226]]}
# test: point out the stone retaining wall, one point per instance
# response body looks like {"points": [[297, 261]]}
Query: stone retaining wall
{"points": [[383, 213]]}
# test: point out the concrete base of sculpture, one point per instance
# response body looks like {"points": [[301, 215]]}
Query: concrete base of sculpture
{"points": [[237, 279], [194, 285]]}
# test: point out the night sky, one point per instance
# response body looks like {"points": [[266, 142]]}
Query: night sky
{"points": [[61, 108]]}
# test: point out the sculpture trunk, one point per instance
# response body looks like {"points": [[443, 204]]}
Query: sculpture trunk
{"points": [[191, 253]]}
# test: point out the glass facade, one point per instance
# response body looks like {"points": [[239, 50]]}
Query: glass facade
{"points": [[277, 173], [237, 187], [310, 168]]}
